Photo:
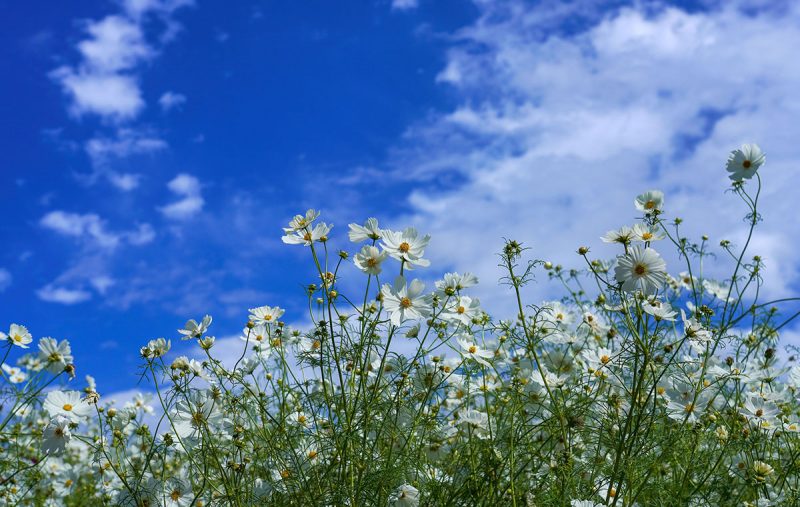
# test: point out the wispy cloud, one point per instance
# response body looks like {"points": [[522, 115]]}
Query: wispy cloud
{"points": [[105, 150], [77, 225], [404, 5], [62, 295], [5, 279], [190, 201], [171, 100], [556, 132]]}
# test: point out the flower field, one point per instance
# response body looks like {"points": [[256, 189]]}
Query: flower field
{"points": [[645, 384]]}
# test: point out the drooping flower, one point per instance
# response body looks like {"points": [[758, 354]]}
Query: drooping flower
{"points": [[623, 235], [406, 246], [369, 260], [744, 162], [650, 202], [367, 232], [56, 435], [55, 355], [405, 495], [641, 269], [403, 301]]}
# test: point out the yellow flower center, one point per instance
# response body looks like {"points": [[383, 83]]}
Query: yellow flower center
{"points": [[405, 302], [17, 338], [67, 407], [175, 495], [267, 317], [472, 349], [612, 492], [307, 236], [404, 247], [649, 205], [461, 309], [759, 412], [604, 359], [647, 236], [371, 262], [640, 269], [312, 454], [301, 419]]}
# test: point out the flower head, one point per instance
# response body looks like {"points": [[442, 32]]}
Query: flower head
{"points": [[650, 202], [641, 269], [67, 404], [367, 232], [194, 330], [403, 301], [406, 246], [18, 335], [744, 162], [369, 260], [301, 221]]}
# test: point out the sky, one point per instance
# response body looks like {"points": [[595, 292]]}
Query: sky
{"points": [[151, 150]]}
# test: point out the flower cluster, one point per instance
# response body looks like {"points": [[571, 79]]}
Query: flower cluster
{"points": [[651, 389]]}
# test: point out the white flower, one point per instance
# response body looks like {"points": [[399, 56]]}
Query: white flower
{"points": [[650, 202], [453, 282], [404, 302], [301, 222], [641, 269], [470, 350], [694, 330], [56, 355], [177, 493], [369, 231], [406, 246], [463, 309], [266, 314], [622, 235], [17, 335], [642, 232], [15, 374], [369, 260], [56, 435], [195, 414], [659, 309], [306, 237], [744, 162], [717, 290], [299, 419], [405, 496], [194, 330], [67, 404], [155, 348]]}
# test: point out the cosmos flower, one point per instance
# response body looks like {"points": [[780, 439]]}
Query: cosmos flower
{"points": [[194, 330], [641, 269], [307, 236], [67, 404], [56, 435], [369, 260], [367, 232], [266, 314], [406, 246], [404, 302], [17, 335], [744, 162], [650, 202]]}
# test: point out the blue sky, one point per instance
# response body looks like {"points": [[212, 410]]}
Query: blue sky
{"points": [[152, 149]]}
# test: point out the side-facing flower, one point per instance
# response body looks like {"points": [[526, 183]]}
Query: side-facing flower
{"points": [[56, 356], [17, 335], [744, 162], [266, 314], [367, 232], [403, 301], [641, 269], [307, 236], [194, 330], [301, 221]]}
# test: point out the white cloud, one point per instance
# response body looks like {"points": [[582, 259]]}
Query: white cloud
{"points": [[404, 5], [104, 82], [556, 133], [105, 151], [62, 295], [77, 225], [5, 279], [91, 227], [191, 201], [113, 96], [171, 100]]}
